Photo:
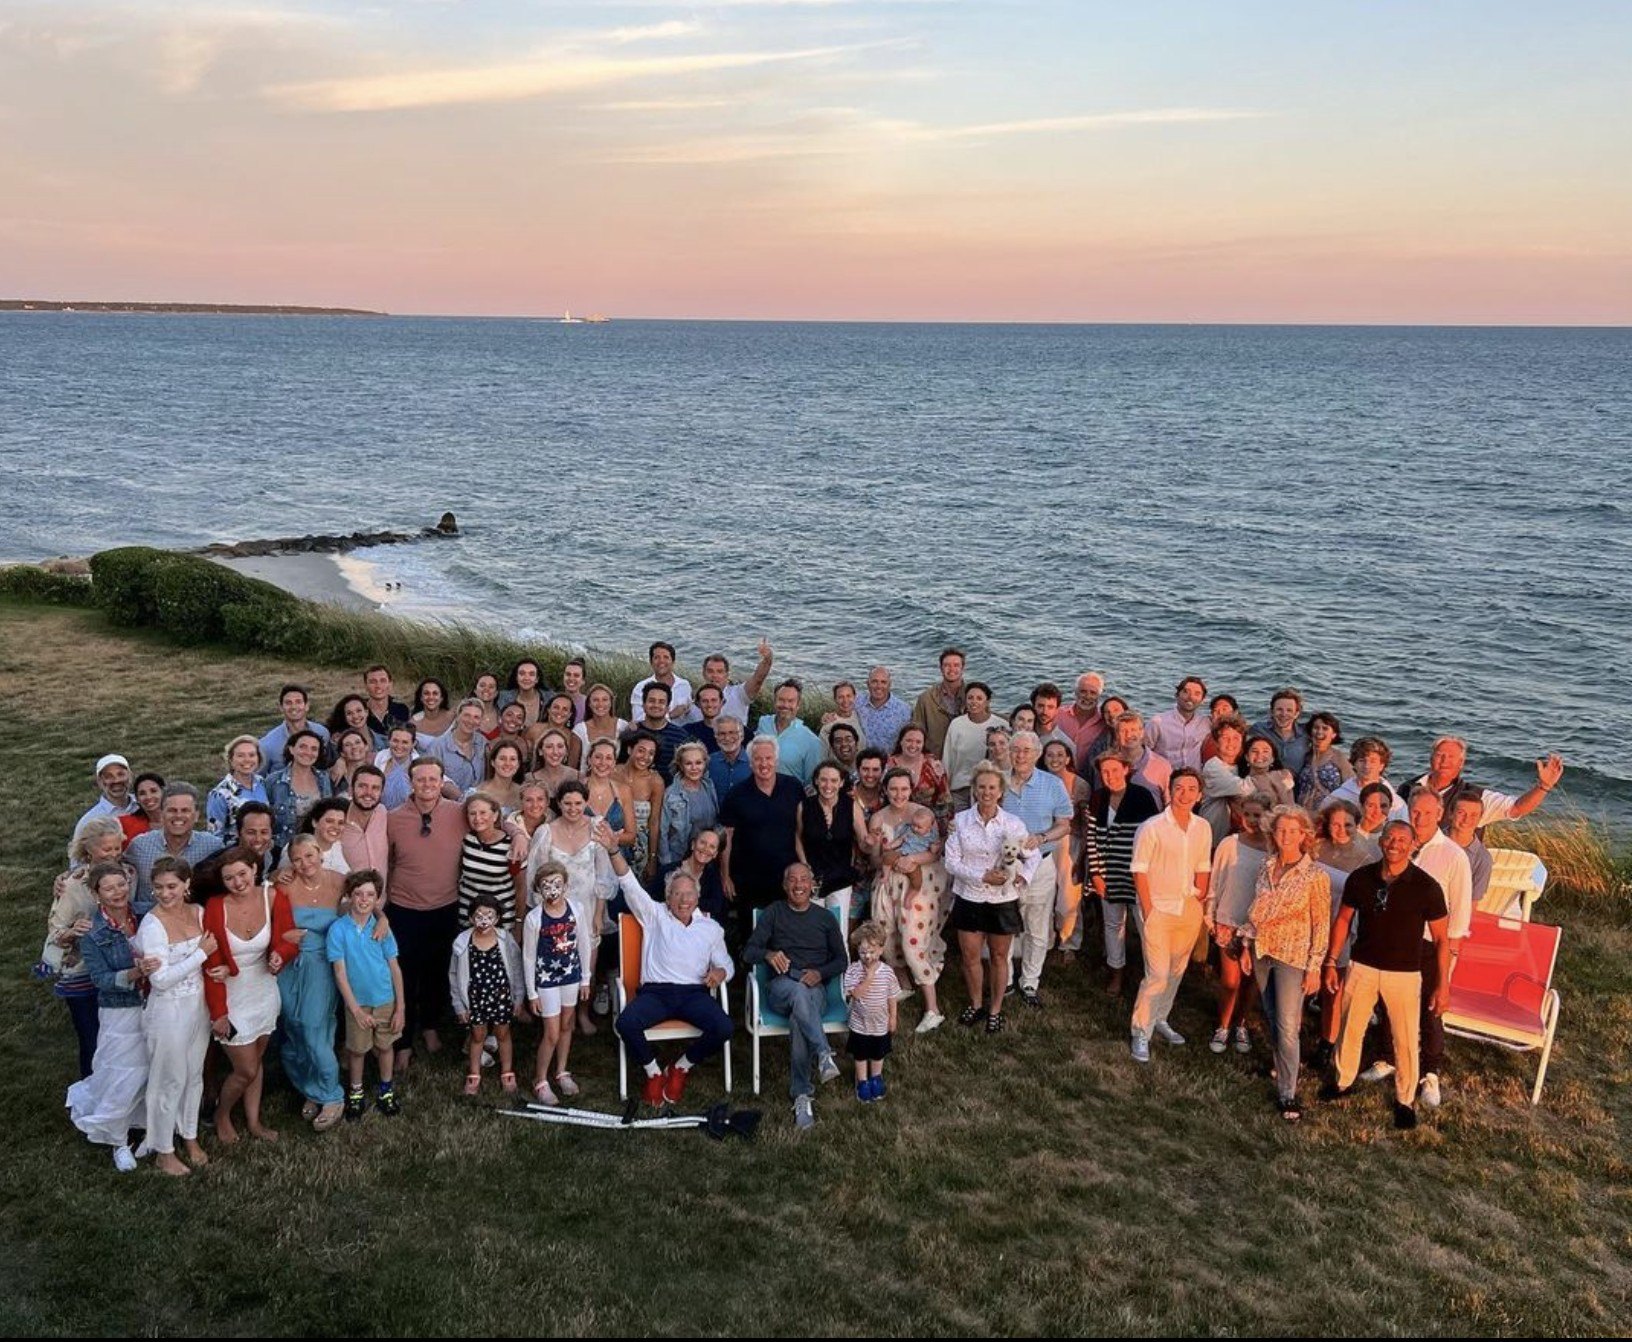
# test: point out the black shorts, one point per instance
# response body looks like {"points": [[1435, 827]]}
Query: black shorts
{"points": [[994, 920], [869, 1047]]}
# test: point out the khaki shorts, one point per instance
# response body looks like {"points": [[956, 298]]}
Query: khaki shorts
{"points": [[359, 1040]]}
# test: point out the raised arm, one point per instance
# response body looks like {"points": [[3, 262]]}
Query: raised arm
{"points": [[756, 682]]}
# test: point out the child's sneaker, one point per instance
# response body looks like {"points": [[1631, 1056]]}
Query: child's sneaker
{"points": [[864, 1090], [879, 1088], [386, 1101], [356, 1104]]}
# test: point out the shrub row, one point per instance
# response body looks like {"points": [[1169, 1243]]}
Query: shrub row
{"points": [[24, 582]]}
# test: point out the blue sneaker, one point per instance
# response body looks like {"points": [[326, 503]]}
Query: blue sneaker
{"points": [[864, 1091], [879, 1087]]}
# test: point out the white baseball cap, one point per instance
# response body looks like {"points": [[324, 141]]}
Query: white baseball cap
{"points": [[106, 760]]}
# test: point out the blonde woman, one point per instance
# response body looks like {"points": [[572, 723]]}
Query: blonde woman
{"points": [[100, 842], [242, 785], [1287, 929]]}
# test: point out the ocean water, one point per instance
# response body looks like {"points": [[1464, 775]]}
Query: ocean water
{"points": [[1424, 529]]}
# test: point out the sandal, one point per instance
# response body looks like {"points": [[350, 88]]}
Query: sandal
{"points": [[507, 1082], [971, 1015], [994, 1023], [473, 1083], [543, 1094], [1291, 1110], [566, 1085]]}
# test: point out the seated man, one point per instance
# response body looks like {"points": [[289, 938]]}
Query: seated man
{"points": [[802, 946], [682, 962]]}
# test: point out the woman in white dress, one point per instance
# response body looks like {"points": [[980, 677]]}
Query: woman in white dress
{"points": [[255, 931], [173, 946], [107, 1104]]}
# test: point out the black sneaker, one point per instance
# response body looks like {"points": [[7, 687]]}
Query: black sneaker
{"points": [[356, 1104], [1031, 997], [1405, 1117], [972, 1015], [1331, 1091], [386, 1102]]}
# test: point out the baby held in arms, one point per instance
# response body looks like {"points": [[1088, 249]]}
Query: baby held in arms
{"points": [[908, 847]]}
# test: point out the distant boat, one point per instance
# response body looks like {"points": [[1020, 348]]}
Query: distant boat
{"points": [[597, 317], [569, 320]]}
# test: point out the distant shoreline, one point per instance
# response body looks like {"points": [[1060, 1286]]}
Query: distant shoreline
{"points": [[188, 309]]}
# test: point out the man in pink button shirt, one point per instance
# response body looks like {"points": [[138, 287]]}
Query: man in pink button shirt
{"points": [[1080, 720]]}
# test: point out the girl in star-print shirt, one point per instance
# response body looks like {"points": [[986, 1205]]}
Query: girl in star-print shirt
{"points": [[555, 951]]}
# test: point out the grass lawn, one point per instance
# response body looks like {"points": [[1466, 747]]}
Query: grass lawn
{"points": [[1037, 1183]]}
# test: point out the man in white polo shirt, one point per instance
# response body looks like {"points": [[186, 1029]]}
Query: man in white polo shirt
{"points": [[1172, 863], [1440, 856]]}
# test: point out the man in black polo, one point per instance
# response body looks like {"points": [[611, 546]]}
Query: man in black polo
{"points": [[760, 816], [1395, 900]]}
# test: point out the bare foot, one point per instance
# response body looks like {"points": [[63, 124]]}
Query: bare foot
{"points": [[433, 1041], [263, 1132], [403, 1058], [166, 1163], [195, 1153], [585, 1024], [225, 1133]]}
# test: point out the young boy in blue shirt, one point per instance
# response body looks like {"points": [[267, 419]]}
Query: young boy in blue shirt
{"points": [[370, 983]]}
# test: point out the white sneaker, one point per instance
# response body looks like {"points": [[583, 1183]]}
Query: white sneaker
{"points": [[932, 1021], [1220, 1041], [1243, 1040], [804, 1114], [602, 1005], [1429, 1090], [1167, 1034], [828, 1069], [1139, 1046], [1378, 1071], [124, 1160]]}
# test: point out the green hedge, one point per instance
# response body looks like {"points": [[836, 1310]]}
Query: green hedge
{"points": [[24, 582], [186, 596]]}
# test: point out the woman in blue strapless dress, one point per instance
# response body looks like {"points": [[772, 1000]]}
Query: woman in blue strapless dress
{"points": [[310, 998]]}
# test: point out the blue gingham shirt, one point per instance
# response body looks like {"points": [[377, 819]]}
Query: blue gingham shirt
{"points": [[1041, 801]]}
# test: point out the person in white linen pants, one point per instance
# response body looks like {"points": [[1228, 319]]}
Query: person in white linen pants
{"points": [[1042, 804], [173, 945], [1172, 864]]}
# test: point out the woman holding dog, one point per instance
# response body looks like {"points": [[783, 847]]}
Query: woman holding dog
{"points": [[989, 864]]}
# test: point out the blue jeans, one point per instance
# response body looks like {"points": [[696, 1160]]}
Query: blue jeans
{"points": [[658, 1002], [1281, 988], [804, 1007]]}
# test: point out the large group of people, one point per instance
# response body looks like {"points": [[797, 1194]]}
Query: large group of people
{"points": [[355, 887]]}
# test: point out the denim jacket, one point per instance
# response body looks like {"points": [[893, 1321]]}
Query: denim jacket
{"points": [[109, 959], [280, 795]]}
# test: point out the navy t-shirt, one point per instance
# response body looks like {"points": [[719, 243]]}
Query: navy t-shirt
{"points": [[762, 829]]}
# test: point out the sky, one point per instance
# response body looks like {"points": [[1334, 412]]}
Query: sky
{"points": [[1463, 161]]}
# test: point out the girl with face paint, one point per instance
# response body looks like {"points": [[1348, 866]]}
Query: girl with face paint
{"points": [[556, 957], [485, 981]]}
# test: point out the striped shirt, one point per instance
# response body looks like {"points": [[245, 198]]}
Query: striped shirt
{"points": [[484, 869]]}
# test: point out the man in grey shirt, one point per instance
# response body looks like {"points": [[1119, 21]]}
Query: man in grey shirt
{"points": [[800, 943]]}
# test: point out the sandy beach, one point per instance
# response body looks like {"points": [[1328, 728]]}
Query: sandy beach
{"points": [[316, 577]]}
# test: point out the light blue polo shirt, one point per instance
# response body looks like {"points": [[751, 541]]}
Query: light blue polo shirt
{"points": [[367, 970], [1039, 803]]}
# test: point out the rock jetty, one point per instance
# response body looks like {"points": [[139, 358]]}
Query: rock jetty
{"points": [[447, 526]]}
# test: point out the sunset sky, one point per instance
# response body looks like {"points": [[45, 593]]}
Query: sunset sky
{"points": [[868, 159]]}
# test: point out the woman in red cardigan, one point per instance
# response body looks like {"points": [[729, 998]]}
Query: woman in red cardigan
{"points": [[255, 934]]}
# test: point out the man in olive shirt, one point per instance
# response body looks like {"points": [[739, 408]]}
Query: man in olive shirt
{"points": [[1396, 900]]}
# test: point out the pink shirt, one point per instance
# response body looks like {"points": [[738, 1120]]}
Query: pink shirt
{"points": [[367, 847]]}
